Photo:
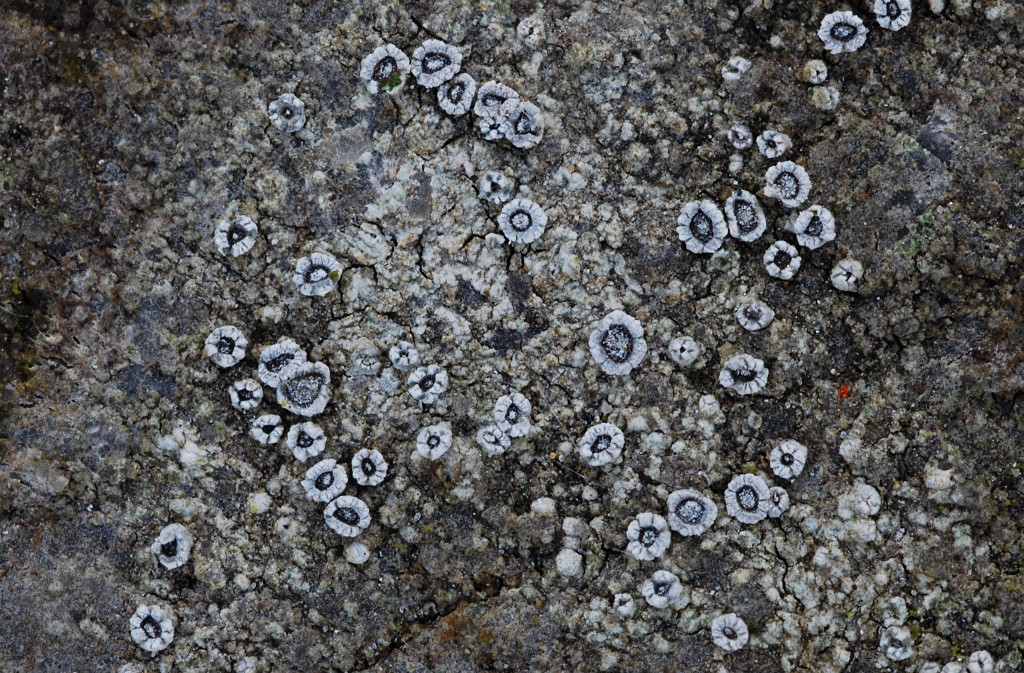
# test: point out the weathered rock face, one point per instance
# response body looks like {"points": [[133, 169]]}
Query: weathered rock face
{"points": [[129, 131]]}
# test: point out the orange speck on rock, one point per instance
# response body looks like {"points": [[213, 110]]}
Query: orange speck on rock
{"points": [[843, 391]]}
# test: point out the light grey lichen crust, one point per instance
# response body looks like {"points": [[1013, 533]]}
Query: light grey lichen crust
{"points": [[747, 258]]}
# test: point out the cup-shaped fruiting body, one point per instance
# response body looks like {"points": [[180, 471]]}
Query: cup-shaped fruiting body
{"points": [[225, 346], [662, 589], [246, 394], [778, 502], [782, 260], [754, 315], [701, 226], [306, 440], [317, 274], [236, 236], [456, 95], [729, 632], [745, 374], [601, 444], [893, 14], [365, 361], [736, 68], [846, 274], [384, 69], [747, 498], [493, 440], [151, 628], [369, 467], [404, 356], [741, 136], [426, 384], [267, 429], [690, 512], [788, 458], [530, 31], [287, 113], [522, 221], [773, 144], [173, 546], [305, 389], [525, 125], [617, 344], [495, 187], [347, 516], [981, 662], [897, 643], [745, 217], [814, 227], [274, 360], [648, 536], [325, 481], [789, 183], [814, 72], [491, 99], [683, 350], [842, 32], [434, 441], [624, 605], [512, 414], [434, 63]]}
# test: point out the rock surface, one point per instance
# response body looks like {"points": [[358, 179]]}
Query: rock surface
{"points": [[130, 129]]}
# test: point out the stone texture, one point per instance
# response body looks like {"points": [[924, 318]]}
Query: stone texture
{"points": [[129, 129]]}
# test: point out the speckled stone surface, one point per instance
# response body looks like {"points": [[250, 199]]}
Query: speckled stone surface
{"points": [[129, 129]]}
